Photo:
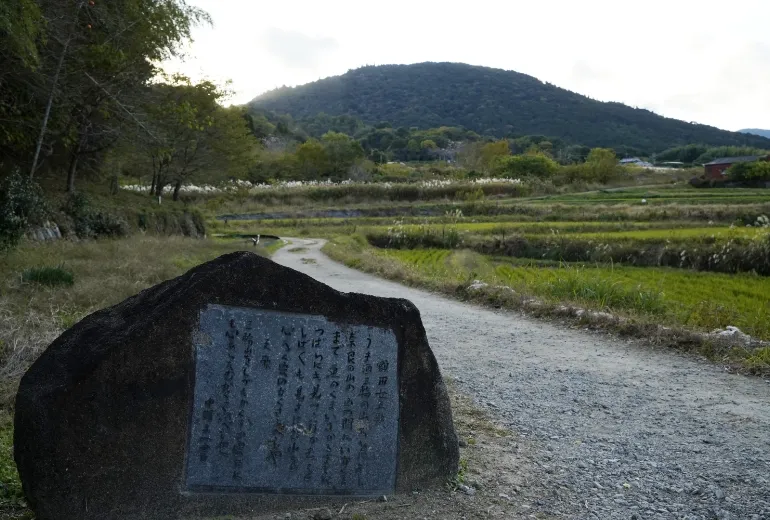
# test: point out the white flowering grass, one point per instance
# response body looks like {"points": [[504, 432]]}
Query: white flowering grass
{"points": [[243, 185]]}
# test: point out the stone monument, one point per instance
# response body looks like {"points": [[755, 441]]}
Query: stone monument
{"points": [[241, 387]]}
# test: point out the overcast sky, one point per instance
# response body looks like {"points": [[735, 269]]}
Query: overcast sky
{"points": [[697, 60]]}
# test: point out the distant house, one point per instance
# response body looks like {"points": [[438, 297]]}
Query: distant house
{"points": [[635, 161], [716, 169]]}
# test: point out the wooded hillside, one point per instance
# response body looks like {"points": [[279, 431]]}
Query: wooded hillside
{"points": [[491, 102]]}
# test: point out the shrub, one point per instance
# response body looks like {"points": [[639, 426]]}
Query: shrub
{"points": [[90, 223], [394, 170], [21, 204], [51, 276], [602, 164], [515, 166], [753, 171]]}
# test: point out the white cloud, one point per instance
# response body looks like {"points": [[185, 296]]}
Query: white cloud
{"points": [[690, 59]]}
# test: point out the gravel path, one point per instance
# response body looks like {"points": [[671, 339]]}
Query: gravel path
{"points": [[619, 430]]}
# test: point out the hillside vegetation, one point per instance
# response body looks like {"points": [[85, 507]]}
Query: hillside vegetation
{"points": [[491, 102]]}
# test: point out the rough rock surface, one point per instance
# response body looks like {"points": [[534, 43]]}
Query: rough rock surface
{"points": [[102, 417]]}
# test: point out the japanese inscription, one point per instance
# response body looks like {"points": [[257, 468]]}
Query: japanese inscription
{"points": [[291, 403]]}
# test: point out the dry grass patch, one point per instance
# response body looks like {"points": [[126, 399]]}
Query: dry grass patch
{"points": [[104, 273]]}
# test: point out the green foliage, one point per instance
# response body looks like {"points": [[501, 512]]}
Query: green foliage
{"points": [[192, 138], [51, 276], [259, 125], [320, 124], [602, 164], [490, 102], [687, 154], [335, 155], [492, 153], [11, 492], [312, 159], [342, 152], [730, 151], [21, 204], [20, 25], [93, 61], [462, 471], [581, 285], [516, 166], [674, 296], [475, 155], [759, 359], [93, 223], [697, 249], [96, 224], [750, 171]]}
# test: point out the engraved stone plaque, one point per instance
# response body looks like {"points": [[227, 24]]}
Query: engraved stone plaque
{"points": [[292, 403]]}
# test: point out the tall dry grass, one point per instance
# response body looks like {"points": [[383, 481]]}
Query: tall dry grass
{"points": [[105, 272]]}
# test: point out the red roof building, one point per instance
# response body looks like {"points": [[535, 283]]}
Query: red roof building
{"points": [[715, 170]]}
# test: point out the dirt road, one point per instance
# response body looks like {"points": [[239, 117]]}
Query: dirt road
{"points": [[617, 430]]}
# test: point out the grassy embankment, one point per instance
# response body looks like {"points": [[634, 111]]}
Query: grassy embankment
{"points": [[97, 213], [80, 278]]}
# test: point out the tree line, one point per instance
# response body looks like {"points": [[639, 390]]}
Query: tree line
{"points": [[317, 148], [701, 154]]}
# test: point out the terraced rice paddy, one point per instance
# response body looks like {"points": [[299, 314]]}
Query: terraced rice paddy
{"points": [[704, 301], [601, 249], [659, 196]]}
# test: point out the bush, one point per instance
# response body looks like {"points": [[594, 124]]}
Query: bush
{"points": [[91, 223], [51, 276], [523, 165], [602, 164], [99, 224], [21, 204], [753, 171]]}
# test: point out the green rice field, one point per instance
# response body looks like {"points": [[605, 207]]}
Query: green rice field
{"points": [[704, 301]]}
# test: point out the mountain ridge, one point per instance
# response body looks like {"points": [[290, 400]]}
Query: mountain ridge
{"points": [[756, 131], [491, 102]]}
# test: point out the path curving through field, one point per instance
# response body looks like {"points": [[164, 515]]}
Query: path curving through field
{"points": [[620, 431]]}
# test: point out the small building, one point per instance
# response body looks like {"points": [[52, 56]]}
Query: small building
{"points": [[715, 170]]}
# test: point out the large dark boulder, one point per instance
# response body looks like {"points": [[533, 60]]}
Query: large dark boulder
{"points": [[104, 417]]}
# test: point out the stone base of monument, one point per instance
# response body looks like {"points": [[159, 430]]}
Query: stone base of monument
{"points": [[242, 386]]}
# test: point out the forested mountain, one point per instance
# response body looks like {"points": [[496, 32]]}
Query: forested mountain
{"points": [[756, 131], [491, 102]]}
